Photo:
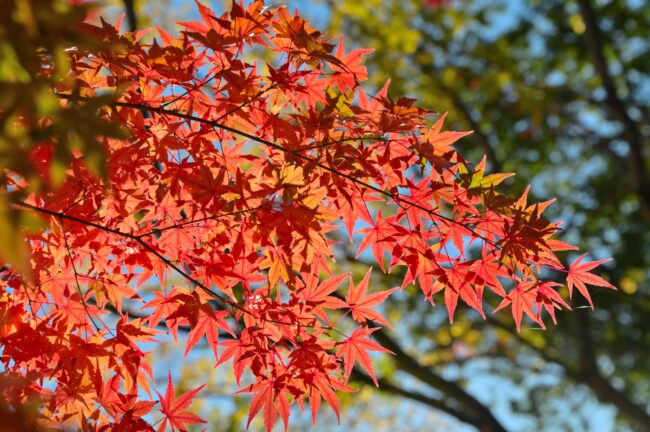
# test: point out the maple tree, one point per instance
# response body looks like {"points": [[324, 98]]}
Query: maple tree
{"points": [[234, 176]]}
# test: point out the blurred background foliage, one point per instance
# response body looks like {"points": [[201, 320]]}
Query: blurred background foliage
{"points": [[34, 38], [557, 91]]}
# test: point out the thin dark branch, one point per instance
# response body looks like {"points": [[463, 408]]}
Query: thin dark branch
{"points": [[76, 276], [342, 140], [398, 198], [245, 103], [136, 239], [203, 219]]}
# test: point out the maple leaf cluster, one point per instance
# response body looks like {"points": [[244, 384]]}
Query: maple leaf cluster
{"points": [[236, 180]]}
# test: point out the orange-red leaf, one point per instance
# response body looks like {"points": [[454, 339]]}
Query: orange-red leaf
{"points": [[174, 408], [356, 347], [579, 276], [361, 304]]}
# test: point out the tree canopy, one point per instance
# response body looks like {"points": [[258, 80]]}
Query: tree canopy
{"points": [[231, 156]]}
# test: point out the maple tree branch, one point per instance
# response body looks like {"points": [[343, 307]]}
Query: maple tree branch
{"points": [[207, 218], [195, 87], [137, 239], [386, 386], [253, 138], [342, 140], [296, 153], [165, 260], [73, 218], [478, 412], [245, 103]]}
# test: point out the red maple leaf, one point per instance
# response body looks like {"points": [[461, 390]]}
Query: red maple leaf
{"points": [[522, 299], [549, 299], [323, 385], [318, 296], [579, 275], [173, 408], [208, 323], [355, 348], [352, 70], [266, 396], [360, 304]]}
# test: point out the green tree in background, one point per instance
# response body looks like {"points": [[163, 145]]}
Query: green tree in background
{"points": [[558, 91]]}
